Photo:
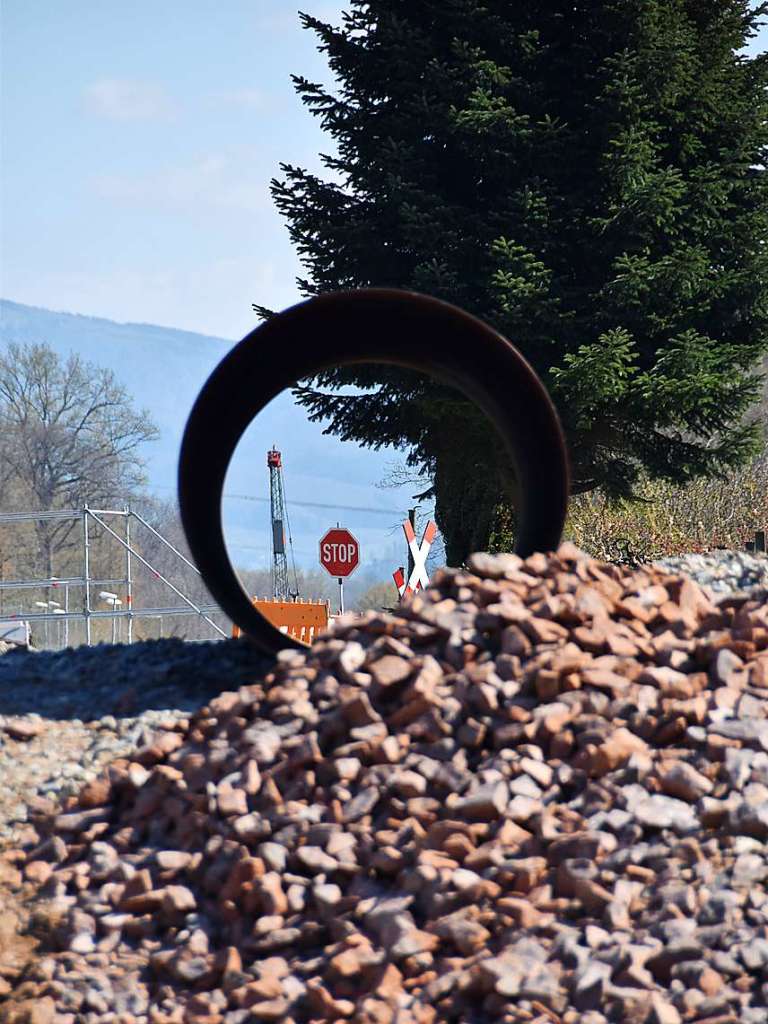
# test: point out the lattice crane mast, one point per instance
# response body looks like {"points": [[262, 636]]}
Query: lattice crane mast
{"points": [[280, 588]]}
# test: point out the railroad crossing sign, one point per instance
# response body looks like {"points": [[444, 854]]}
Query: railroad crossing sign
{"points": [[419, 577], [399, 577]]}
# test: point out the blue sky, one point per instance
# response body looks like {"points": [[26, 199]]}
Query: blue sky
{"points": [[138, 144]]}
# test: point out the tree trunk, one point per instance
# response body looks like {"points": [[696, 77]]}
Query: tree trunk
{"points": [[465, 499]]}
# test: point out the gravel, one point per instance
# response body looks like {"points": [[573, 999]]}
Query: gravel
{"points": [[64, 715], [722, 571], [537, 793]]}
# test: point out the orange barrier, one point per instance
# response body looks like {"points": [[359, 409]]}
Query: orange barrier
{"points": [[302, 620]]}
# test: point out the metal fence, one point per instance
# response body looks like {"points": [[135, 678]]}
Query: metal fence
{"points": [[80, 593]]}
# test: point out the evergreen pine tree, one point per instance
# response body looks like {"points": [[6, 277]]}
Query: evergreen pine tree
{"points": [[586, 176]]}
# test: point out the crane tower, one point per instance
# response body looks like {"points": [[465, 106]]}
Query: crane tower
{"points": [[277, 503]]}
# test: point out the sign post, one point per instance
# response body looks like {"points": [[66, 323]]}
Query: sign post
{"points": [[339, 556]]}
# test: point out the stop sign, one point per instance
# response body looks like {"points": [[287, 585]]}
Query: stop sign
{"points": [[339, 552]]}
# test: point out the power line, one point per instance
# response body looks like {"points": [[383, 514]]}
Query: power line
{"points": [[265, 548], [320, 504], [307, 504]]}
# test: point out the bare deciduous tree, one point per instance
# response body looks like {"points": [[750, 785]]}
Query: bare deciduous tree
{"points": [[68, 435]]}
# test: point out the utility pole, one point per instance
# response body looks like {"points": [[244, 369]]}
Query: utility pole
{"points": [[412, 520]]}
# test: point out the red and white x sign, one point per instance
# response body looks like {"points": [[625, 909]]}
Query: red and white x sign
{"points": [[419, 577]]}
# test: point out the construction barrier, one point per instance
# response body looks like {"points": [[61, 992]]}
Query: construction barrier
{"points": [[302, 620]]}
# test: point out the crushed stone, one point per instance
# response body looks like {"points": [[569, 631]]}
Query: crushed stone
{"points": [[539, 792]]}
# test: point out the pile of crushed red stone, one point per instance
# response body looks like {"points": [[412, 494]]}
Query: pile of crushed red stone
{"points": [[539, 793]]}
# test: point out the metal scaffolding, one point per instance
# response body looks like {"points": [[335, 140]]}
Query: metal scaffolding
{"points": [[86, 612]]}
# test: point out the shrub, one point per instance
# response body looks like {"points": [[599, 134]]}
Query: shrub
{"points": [[665, 519]]}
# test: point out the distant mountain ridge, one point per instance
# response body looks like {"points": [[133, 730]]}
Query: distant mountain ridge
{"points": [[163, 369], [129, 350]]}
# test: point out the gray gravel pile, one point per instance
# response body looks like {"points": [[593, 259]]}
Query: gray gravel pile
{"points": [[722, 571], [41, 758], [107, 679], [539, 793]]}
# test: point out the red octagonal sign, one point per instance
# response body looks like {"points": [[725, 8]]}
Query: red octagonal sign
{"points": [[339, 552]]}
